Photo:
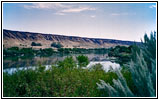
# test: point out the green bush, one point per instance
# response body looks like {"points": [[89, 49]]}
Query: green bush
{"points": [[26, 52], [68, 62], [97, 67], [35, 44], [56, 45], [13, 51], [122, 53], [82, 60], [46, 52]]}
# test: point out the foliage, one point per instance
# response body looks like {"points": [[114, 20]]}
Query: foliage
{"points": [[64, 81], [119, 49], [149, 48], [35, 44], [142, 77], [26, 52], [13, 51], [97, 67], [119, 88], [56, 45], [82, 50], [16, 52], [122, 53], [68, 62], [45, 52], [143, 73], [82, 60]]}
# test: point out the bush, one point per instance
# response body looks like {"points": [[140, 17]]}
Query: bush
{"points": [[97, 67], [82, 60], [143, 73], [46, 52], [27, 51], [13, 51], [68, 62], [35, 44], [123, 54], [56, 45]]}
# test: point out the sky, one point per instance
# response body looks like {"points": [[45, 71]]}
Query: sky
{"points": [[122, 21]]}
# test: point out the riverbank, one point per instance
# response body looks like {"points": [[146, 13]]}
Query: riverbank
{"points": [[23, 57]]}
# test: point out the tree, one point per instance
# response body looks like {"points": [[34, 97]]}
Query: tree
{"points": [[56, 45], [35, 44], [82, 60], [68, 62]]}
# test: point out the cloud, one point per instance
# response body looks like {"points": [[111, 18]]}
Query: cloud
{"points": [[61, 8], [152, 6], [47, 6], [78, 9], [60, 13]]}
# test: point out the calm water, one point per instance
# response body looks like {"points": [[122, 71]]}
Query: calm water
{"points": [[10, 66], [11, 63]]}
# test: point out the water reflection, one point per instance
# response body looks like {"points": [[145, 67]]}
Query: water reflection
{"points": [[11, 66], [9, 63]]}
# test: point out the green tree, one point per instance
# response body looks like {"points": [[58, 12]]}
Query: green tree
{"points": [[56, 45], [83, 61], [35, 44], [68, 62]]}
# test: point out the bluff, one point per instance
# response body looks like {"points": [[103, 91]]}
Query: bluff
{"points": [[24, 39]]}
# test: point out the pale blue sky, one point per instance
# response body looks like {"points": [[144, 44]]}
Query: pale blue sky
{"points": [[123, 21]]}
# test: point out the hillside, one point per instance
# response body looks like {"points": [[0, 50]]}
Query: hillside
{"points": [[24, 39]]}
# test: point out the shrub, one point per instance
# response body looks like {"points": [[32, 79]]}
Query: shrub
{"points": [[35, 44], [143, 73], [56, 45], [97, 67], [46, 52], [13, 51], [68, 62], [122, 54], [82, 60], [27, 51]]}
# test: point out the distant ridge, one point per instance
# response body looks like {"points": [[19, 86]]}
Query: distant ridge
{"points": [[24, 39]]}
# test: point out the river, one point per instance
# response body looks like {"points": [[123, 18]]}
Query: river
{"points": [[11, 65]]}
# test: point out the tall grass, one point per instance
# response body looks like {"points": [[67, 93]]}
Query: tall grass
{"points": [[143, 73]]}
